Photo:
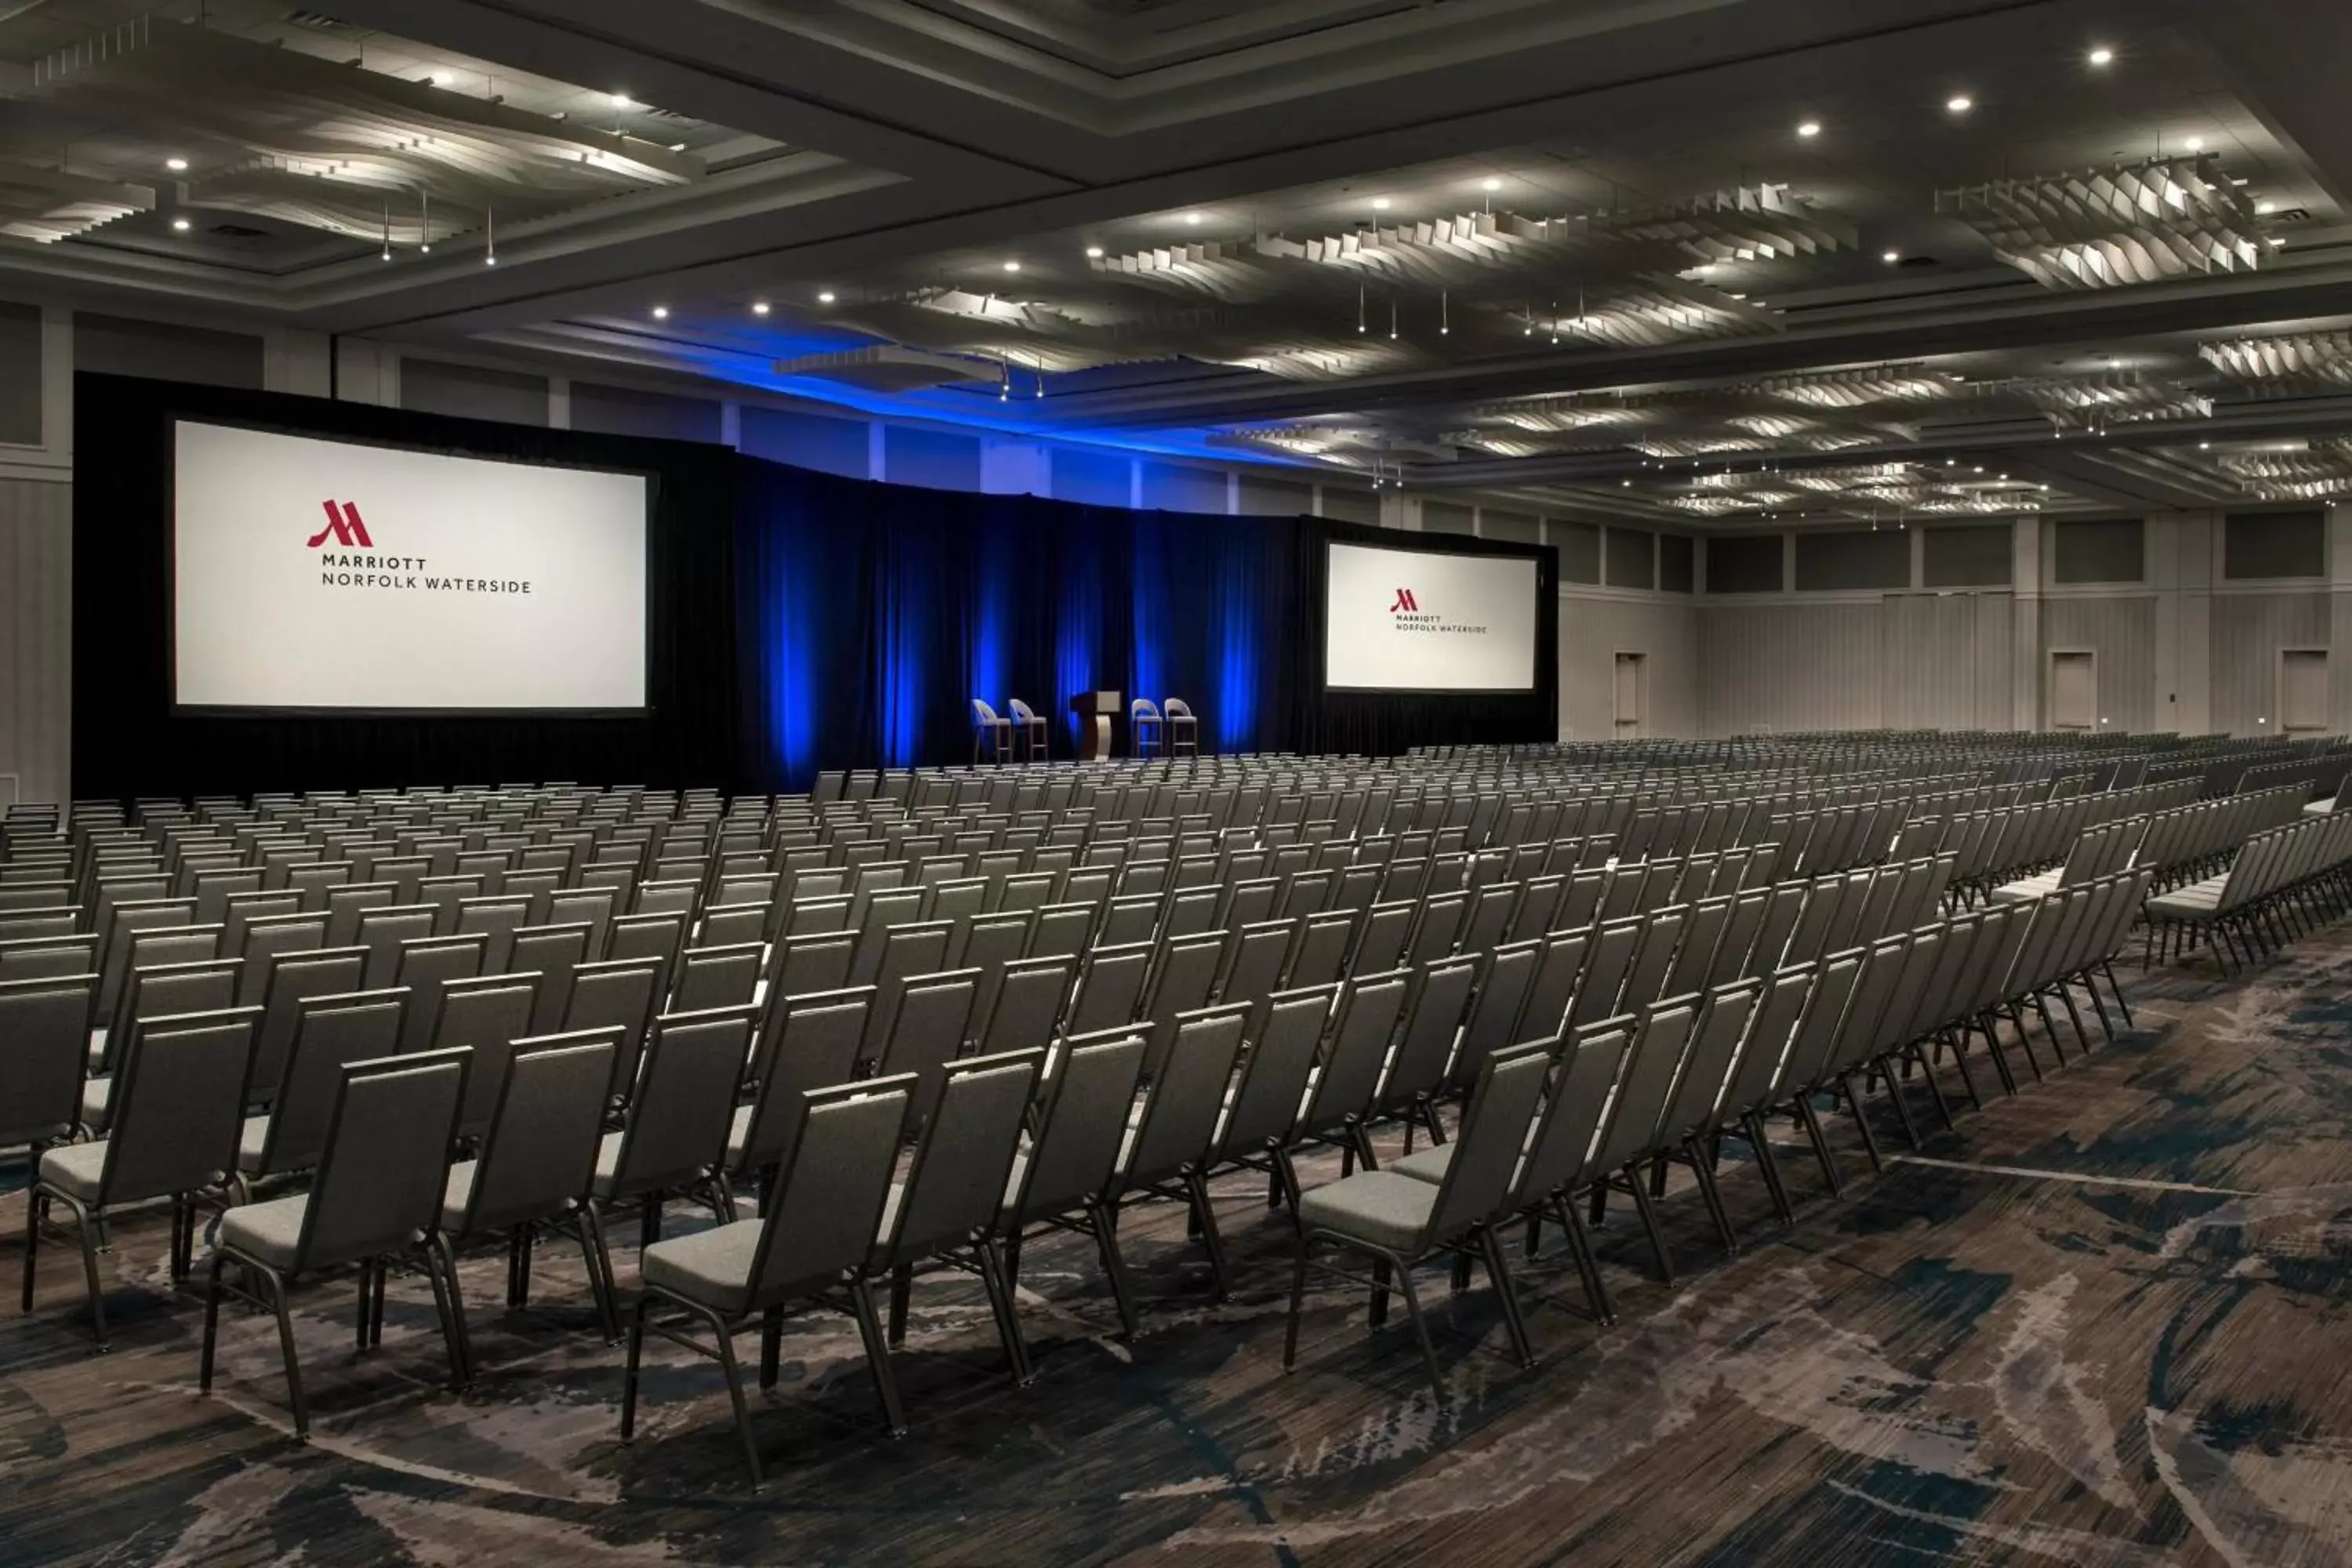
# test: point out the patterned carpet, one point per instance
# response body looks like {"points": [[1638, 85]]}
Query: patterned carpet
{"points": [[2107, 1323]]}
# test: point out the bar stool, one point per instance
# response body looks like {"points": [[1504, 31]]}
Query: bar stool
{"points": [[1029, 726], [1184, 729], [1146, 731], [989, 730]]}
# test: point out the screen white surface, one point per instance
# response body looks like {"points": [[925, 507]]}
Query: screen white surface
{"points": [[1413, 620], [463, 583]]}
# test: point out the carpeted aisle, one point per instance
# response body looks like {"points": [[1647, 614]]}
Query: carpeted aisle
{"points": [[2107, 1323]]}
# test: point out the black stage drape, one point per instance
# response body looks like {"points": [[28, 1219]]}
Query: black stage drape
{"points": [[126, 741], [799, 621]]}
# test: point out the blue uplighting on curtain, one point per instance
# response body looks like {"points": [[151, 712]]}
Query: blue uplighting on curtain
{"points": [[1233, 615]]}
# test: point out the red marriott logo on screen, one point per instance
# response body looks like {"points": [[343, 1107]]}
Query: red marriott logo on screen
{"points": [[343, 526], [1406, 604]]}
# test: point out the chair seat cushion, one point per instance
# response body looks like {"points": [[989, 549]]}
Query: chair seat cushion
{"points": [[457, 1195], [2027, 889], [608, 1161], [268, 1233], [74, 1170], [737, 1136], [1430, 1165], [1381, 1207], [97, 1098], [713, 1267], [2320, 807]]}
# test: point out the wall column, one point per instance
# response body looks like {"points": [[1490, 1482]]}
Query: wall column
{"points": [[2025, 623], [2339, 622]]}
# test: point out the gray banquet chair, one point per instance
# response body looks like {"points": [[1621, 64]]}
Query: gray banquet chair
{"points": [[378, 1197]]}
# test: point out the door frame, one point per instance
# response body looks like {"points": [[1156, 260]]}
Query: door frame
{"points": [[2278, 688], [2049, 690], [1640, 658]]}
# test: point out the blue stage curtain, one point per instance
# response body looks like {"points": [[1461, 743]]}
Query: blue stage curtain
{"points": [[868, 616]]}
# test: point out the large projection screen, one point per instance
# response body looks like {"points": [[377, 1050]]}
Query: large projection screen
{"points": [[314, 574], [1423, 620]]}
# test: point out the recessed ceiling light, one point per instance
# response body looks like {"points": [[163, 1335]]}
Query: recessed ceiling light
{"points": [[1892, 256], [2195, 143], [623, 101], [661, 312], [1193, 218], [2266, 208], [1093, 253], [440, 78], [175, 164], [180, 224], [1013, 267], [759, 307], [825, 297], [677, 146], [2103, 56], [1809, 129], [1490, 185], [1379, 203], [1959, 104], [2204, 446]]}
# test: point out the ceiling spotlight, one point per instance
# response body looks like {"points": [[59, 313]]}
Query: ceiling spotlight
{"points": [[1959, 104], [1892, 256], [2103, 56], [2204, 446], [1379, 203], [1193, 218], [1490, 185], [759, 307], [2265, 208], [1013, 267], [661, 312], [175, 164], [180, 224], [1093, 253], [825, 297], [440, 78], [623, 101], [2195, 143], [1809, 129], [677, 146]]}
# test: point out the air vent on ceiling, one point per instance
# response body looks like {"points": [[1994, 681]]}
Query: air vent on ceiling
{"points": [[2290, 214], [890, 368], [319, 22], [238, 231]]}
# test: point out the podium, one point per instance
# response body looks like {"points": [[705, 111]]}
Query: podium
{"points": [[1095, 710]]}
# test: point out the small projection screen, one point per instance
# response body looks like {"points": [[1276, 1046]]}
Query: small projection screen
{"points": [[1426, 620], [315, 574]]}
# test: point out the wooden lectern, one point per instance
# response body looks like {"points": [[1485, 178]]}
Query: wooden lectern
{"points": [[1095, 710]]}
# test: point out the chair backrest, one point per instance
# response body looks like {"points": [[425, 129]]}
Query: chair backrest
{"points": [[1569, 1134], [1109, 988], [1769, 1040], [1817, 1028], [547, 1120], [486, 1014], [809, 1042], [1288, 1028], [331, 1033], [1178, 1124], [1182, 982], [1440, 993], [963, 1161], [684, 1104], [266, 939], [387, 1160], [918, 1025], [1081, 1128], [425, 967], [619, 993], [552, 953], [1027, 1004], [829, 1196], [1602, 982], [1715, 1038], [1349, 1073], [1175, 708], [982, 714], [711, 977], [1652, 1063], [292, 979], [205, 986], [384, 932], [45, 1024], [1142, 707], [179, 1105], [1477, 1186]]}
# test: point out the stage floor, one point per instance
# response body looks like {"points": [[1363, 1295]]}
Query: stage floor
{"points": [[2107, 1323]]}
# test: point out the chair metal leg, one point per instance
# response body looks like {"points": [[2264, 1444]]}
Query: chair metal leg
{"points": [[601, 1264], [2108, 969], [36, 1214], [1204, 1220], [599, 1288], [1377, 1316], [771, 1345], [1579, 1247], [1958, 1044], [1812, 1119], [1297, 1303], [1648, 1209], [878, 1355], [1498, 1273], [212, 1324], [1862, 1122], [629, 1376], [85, 1228], [1420, 1327], [996, 1273], [734, 1374], [902, 1284], [452, 1304], [1768, 1164], [286, 1349], [1100, 1220], [1711, 1193]]}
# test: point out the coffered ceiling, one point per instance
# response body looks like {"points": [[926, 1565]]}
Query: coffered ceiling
{"points": [[1721, 261]]}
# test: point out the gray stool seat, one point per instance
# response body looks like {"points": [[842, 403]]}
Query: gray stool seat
{"points": [[1388, 1209], [268, 1232], [74, 1169], [713, 1266]]}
